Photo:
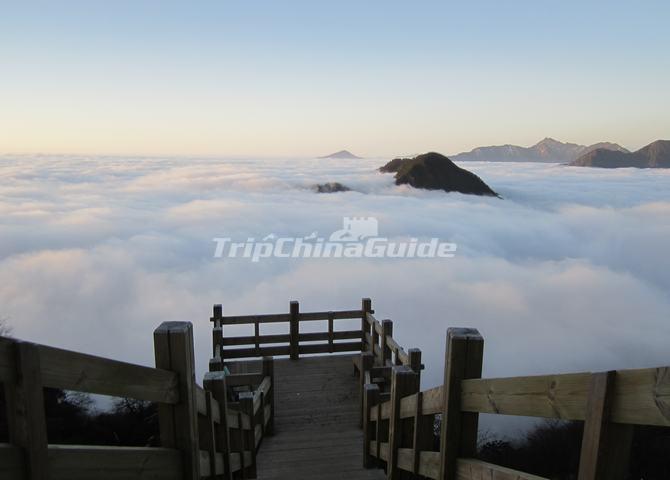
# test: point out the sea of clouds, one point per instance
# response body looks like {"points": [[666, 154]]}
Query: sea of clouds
{"points": [[568, 272]]}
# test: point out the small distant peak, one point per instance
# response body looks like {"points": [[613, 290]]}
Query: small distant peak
{"points": [[548, 141], [341, 154]]}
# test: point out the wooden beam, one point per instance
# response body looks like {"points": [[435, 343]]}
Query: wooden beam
{"points": [[458, 436], [173, 346], [641, 396], [87, 373], [404, 382], [247, 406], [25, 408], [269, 372], [606, 446], [215, 382], [295, 330], [387, 331], [370, 399], [366, 362], [366, 309]]}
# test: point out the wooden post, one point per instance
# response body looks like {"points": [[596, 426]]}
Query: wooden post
{"points": [[269, 371], [207, 434], [366, 307], [404, 382], [331, 328], [387, 330], [217, 332], [423, 432], [247, 407], [25, 408], [367, 361], [415, 361], [173, 347], [215, 382], [458, 436], [295, 330], [370, 399], [375, 342], [606, 446]]}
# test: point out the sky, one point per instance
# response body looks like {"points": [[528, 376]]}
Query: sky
{"points": [[299, 78]]}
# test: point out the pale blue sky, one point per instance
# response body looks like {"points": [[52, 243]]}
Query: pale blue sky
{"points": [[304, 78]]}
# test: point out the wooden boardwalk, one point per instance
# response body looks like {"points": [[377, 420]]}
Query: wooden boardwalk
{"points": [[317, 434]]}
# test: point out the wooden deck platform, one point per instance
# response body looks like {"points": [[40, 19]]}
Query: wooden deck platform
{"points": [[317, 435]]}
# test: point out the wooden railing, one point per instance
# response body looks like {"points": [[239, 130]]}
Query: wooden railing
{"points": [[399, 432], [292, 344], [196, 424]]}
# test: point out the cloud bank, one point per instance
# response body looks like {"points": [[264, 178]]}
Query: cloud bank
{"points": [[569, 272]]}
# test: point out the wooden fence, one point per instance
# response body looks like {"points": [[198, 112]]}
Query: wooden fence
{"points": [[202, 434], [292, 344], [399, 430]]}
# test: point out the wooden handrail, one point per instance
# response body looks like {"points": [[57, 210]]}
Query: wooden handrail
{"points": [[291, 344], [635, 397]]}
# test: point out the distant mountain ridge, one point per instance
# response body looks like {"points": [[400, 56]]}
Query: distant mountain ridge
{"points": [[546, 151], [654, 155], [342, 154]]}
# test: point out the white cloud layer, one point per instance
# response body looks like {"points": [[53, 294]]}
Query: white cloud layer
{"points": [[569, 272]]}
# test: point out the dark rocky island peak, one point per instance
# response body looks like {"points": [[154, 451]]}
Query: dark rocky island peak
{"points": [[433, 171]]}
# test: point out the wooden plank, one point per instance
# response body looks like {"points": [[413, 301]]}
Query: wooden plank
{"points": [[463, 360], [74, 462], [423, 434], [249, 319], [429, 465], [247, 406], [404, 459], [387, 332], [207, 436], [404, 382], [215, 382], [251, 340], [432, 400], [294, 331], [25, 407], [173, 344], [337, 315], [385, 410], [366, 308], [370, 399], [414, 361], [341, 335], [87, 373], [408, 405], [641, 396], [336, 347], [254, 353], [366, 361], [269, 393], [605, 452], [331, 326], [471, 469]]}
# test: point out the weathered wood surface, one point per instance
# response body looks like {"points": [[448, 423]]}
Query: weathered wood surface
{"points": [[316, 432]]}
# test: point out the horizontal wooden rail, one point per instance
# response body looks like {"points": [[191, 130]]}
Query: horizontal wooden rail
{"points": [[80, 372], [640, 397], [286, 317], [292, 344], [622, 398]]}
